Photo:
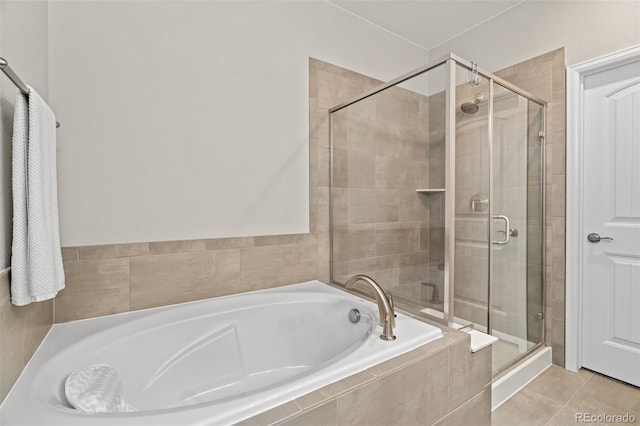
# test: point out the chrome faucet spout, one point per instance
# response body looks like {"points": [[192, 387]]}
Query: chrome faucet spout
{"points": [[385, 305]]}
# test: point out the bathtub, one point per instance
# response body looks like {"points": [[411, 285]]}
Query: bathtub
{"points": [[210, 362]]}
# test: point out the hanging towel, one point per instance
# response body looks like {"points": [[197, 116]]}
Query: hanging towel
{"points": [[36, 258], [96, 389]]}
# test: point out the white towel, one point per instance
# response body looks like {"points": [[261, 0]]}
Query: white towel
{"points": [[96, 389], [36, 259]]}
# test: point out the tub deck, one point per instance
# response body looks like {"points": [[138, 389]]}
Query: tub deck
{"points": [[215, 361]]}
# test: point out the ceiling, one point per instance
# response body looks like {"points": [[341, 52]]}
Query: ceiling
{"points": [[427, 23]]}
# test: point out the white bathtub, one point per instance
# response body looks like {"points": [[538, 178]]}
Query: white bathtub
{"points": [[215, 361]]}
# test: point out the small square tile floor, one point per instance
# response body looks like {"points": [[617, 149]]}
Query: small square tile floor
{"points": [[557, 396]]}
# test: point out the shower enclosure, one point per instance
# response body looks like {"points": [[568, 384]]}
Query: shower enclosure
{"points": [[437, 192]]}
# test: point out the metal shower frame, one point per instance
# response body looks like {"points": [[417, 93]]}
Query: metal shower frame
{"points": [[450, 61]]}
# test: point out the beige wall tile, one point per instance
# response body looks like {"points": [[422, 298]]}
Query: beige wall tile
{"points": [[112, 251], [557, 340], [314, 166], [334, 390], [12, 352], [22, 329], [354, 242], [373, 205], [558, 196], [557, 234], [319, 212], [361, 170], [393, 365], [396, 173], [557, 280], [415, 395], [341, 200], [274, 240], [558, 117], [476, 412], [69, 254], [334, 89], [325, 415], [273, 416], [319, 126], [93, 288], [171, 278], [226, 273], [397, 238], [559, 149], [227, 243], [271, 266], [469, 373], [323, 165], [166, 247], [399, 107], [38, 320]]}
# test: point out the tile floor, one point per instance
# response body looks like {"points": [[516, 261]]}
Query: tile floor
{"points": [[554, 398]]}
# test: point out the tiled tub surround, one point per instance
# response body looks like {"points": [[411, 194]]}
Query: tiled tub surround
{"points": [[440, 383]]}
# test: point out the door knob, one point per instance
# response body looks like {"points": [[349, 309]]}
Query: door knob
{"points": [[595, 238]]}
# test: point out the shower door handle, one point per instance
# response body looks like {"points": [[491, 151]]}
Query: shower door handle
{"points": [[507, 226]]}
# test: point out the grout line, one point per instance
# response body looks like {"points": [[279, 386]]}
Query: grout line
{"points": [[378, 26], [566, 404], [554, 414]]}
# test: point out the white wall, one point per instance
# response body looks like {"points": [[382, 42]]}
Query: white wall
{"points": [[186, 120], [23, 42], [586, 28]]}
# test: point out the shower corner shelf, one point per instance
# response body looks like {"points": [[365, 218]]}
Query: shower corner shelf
{"points": [[430, 191]]}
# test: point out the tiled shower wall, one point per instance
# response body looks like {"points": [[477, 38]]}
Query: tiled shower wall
{"points": [[544, 77], [379, 160], [364, 205]]}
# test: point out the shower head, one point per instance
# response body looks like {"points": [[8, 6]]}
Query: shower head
{"points": [[470, 107]]}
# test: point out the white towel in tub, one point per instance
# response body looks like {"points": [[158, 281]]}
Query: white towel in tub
{"points": [[96, 389], [36, 260]]}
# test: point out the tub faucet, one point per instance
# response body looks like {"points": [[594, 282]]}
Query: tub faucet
{"points": [[385, 306]]}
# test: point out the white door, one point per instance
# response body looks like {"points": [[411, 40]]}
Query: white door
{"points": [[611, 209]]}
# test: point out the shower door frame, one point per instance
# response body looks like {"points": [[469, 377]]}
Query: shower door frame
{"points": [[450, 61]]}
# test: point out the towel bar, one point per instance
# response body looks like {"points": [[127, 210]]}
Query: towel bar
{"points": [[4, 66]]}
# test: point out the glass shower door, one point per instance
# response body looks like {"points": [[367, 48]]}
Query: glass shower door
{"points": [[517, 217]]}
